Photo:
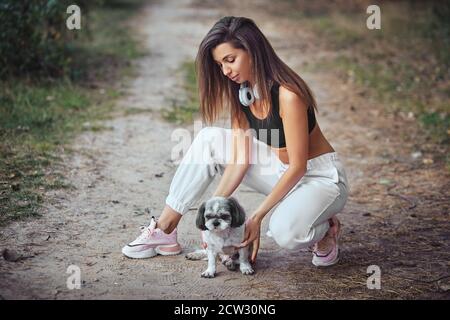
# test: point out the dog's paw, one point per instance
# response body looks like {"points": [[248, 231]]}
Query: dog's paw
{"points": [[196, 255], [246, 269], [208, 274], [230, 264]]}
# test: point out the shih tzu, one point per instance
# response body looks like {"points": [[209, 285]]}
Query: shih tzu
{"points": [[222, 221]]}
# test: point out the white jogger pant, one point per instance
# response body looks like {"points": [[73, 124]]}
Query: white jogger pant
{"points": [[299, 220]]}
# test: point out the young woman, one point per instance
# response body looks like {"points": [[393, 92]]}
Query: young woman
{"points": [[286, 156]]}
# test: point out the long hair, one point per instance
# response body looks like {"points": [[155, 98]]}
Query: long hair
{"points": [[217, 93]]}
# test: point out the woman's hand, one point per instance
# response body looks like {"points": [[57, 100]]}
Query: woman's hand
{"points": [[204, 244], [252, 235]]}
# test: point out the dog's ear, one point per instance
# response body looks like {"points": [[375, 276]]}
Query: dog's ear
{"points": [[200, 221], [237, 213]]}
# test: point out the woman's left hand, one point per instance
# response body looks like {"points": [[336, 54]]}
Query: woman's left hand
{"points": [[252, 234]]}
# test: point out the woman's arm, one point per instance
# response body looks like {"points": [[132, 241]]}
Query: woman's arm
{"points": [[287, 181], [231, 178], [240, 160], [295, 123]]}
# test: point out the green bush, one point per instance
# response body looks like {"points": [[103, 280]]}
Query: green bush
{"points": [[34, 38]]}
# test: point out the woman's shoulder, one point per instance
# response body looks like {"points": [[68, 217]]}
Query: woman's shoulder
{"points": [[288, 97], [286, 93], [288, 100]]}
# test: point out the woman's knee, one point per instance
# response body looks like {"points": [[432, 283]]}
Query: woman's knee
{"points": [[282, 233], [284, 240], [211, 144], [207, 133], [295, 235], [206, 138]]}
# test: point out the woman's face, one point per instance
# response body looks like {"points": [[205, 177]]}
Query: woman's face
{"points": [[234, 63]]}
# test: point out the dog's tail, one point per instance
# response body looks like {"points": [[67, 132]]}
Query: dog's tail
{"points": [[199, 254]]}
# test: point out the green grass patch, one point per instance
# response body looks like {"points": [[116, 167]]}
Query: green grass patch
{"points": [[184, 111], [339, 33], [405, 65], [40, 116], [106, 46]]}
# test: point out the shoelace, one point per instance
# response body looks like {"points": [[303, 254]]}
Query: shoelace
{"points": [[146, 232]]}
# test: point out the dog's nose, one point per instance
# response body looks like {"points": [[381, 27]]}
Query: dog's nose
{"points": [[216, 223]]}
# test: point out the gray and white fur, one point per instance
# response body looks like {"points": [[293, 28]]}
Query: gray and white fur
{"points": [[222, 221]]}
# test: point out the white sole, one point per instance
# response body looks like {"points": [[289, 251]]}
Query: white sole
{"points": [[331, 263], [163, 253], [149, 253]]}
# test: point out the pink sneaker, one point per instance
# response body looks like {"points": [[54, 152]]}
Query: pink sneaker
{"points": [[330, 257], [152, 242]]}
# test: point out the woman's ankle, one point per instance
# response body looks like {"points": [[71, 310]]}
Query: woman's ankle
{"points": [[166, 227], [168, 220]]}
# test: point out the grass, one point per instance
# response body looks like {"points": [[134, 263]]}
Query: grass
{"points": [[405, 65], [184, 111], [39, 117], [325, 26]]}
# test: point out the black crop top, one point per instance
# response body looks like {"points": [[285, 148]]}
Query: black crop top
{"points": [[268, 126]]}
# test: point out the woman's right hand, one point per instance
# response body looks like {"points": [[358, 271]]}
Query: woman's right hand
{"points": [[204, 244]]}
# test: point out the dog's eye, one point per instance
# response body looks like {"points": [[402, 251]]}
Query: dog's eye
{"points": [[224, 216], [209, 216]]}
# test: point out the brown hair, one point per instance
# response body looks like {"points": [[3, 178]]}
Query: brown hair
{"points": [[217, 92]]}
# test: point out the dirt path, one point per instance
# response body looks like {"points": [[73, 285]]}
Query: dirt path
{"points": [[396, 217]]}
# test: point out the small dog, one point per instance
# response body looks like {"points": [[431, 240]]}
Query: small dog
{"points": [[222, 221]]}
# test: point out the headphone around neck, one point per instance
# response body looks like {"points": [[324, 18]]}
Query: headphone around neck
{"points": [[247, 96]]}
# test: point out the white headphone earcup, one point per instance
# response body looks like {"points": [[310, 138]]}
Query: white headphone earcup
{"points": [[241, 99], [246, 96]]}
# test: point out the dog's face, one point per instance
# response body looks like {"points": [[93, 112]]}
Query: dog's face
{"points": [[219, 213]]}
